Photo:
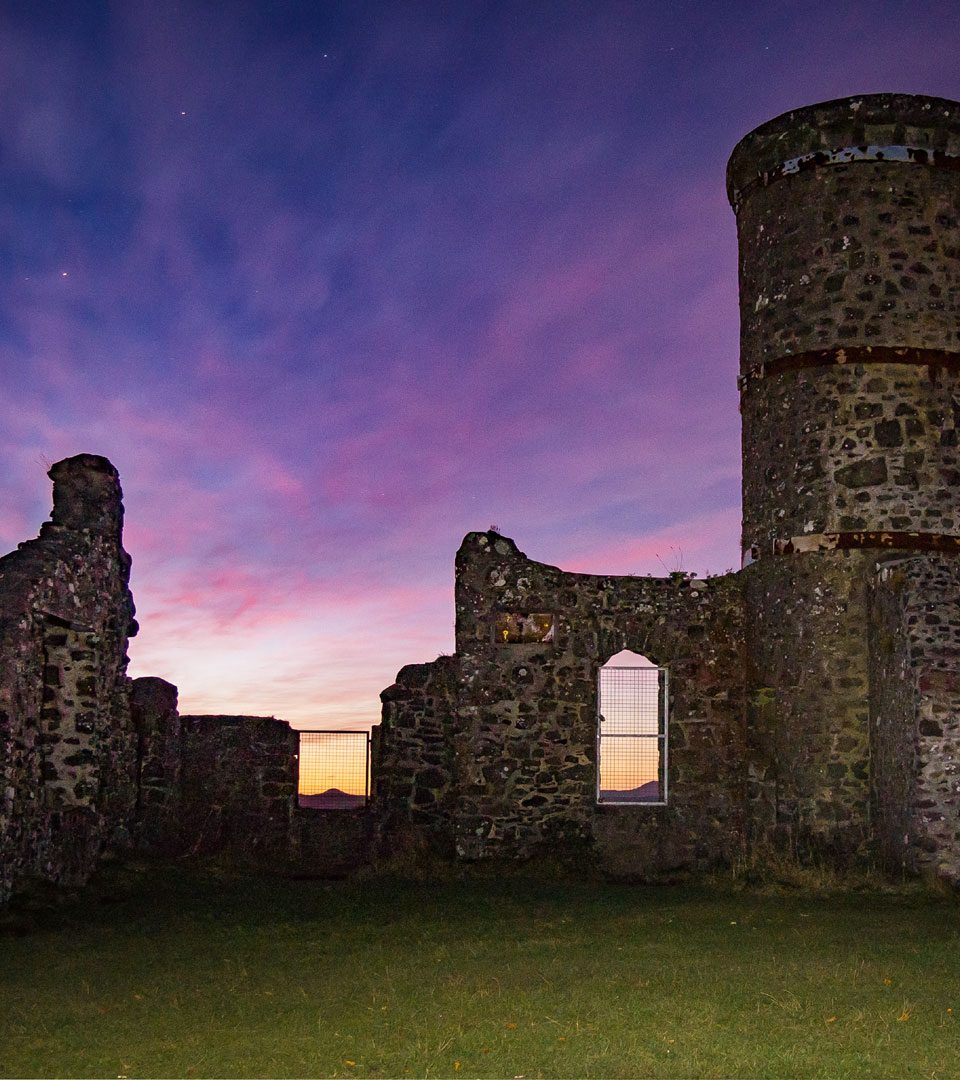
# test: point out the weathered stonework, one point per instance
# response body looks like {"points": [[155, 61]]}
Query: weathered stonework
{"points": [[807, 708], [915, 705], [225, 788], [238, 787], [153, 705], [850, 372], [91, 760], [493, 752], [67, 746]]}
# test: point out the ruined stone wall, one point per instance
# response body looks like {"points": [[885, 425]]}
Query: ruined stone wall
{"points": [[893, 722], [814, 697], [225, 787], [848, 218], [330, 843], [514, 724], [153, 706], [238, 788], [915, 704], [67, 746], [414, 766]]}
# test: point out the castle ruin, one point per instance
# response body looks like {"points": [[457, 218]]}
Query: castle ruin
{"points": [[807, 705], [814, 697]]}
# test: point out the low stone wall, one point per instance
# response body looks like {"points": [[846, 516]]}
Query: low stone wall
{"points": [[225, 787], [238, 788], [89, 759], [153, 706], [67, 745]]}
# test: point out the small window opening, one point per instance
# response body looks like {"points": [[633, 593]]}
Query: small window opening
{"points": [[334, 770], [631, 731], [522, 629]]}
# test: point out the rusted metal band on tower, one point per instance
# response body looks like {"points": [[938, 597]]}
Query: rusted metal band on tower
{"points": [[861, 540], [848, 155], [934, 359]]}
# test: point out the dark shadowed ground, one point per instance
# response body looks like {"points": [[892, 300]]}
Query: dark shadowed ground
{"points": [[170, 973]]}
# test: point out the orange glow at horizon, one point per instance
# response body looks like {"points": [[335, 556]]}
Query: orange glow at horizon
{"points": [[333, 759], [629, 702], [617, 775]]}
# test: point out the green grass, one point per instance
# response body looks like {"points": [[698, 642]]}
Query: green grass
{"points": [[197, 976]]}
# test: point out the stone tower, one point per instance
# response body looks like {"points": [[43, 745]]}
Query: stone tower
{"points": [[848, 218]]}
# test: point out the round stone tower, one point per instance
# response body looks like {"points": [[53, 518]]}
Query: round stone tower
{"points": [[848, 218]]}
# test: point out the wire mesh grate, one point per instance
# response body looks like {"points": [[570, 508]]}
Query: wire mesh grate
{"points": [[631, 743], [334, 769]]}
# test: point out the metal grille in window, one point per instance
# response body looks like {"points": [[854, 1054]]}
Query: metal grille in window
{"points": [[334, 769], [632, 735]]}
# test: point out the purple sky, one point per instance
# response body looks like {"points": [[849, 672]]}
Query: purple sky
{"points": [[334, 283]]}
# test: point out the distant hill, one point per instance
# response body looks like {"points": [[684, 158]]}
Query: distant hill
{"points": [[332, 799], [648, 792]]}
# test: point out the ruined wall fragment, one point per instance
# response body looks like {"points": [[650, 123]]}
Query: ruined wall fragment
{"points": [[153, 706], [513, 720], [67, 747], [415, 767], [238, 788]]}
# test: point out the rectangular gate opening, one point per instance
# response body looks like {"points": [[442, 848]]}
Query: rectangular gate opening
{"points": [[632, 735], [334, 770]]}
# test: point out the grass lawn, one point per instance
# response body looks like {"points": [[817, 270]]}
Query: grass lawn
{"points": [[211, 976]]}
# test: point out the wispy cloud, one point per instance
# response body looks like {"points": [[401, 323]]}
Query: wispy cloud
{"points": [[333, 287]]}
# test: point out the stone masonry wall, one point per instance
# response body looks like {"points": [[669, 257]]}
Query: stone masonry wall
{"points": [[851, 448], [238, 788], [153, 705], [513, 725], [330, 843], [67, 747], [837, 251], [415, 771], [807, 710], [814, 696], [225, 787], [893, 722], [848, 222], [915, 667]]}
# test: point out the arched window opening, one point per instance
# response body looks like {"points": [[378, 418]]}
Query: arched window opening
{"points": [[631, 731]]}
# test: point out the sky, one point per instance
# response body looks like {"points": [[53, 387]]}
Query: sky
{"points": [[333, 284]]}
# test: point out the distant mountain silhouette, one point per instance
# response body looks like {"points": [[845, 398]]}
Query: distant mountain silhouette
{"points": [[332, 799], [648, 792]]}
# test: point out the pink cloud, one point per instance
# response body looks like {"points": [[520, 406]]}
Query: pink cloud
{"points": [[705, 544], [356, 309], [316, 658]]}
